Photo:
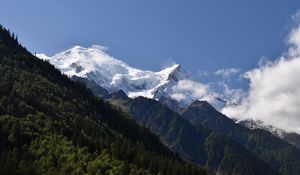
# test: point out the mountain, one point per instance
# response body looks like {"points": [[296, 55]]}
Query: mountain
{"points": [[92, 85], [290, 137], [103, 72], [279, 154], [52, 125], [197, 144], [171, 103], [96, 66]]}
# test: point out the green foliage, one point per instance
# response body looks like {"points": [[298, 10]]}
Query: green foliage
{"points": [[55, 155], [51, 125]]}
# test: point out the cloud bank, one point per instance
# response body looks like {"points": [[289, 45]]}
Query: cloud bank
{"points": [[184, 90], [274, 93]]}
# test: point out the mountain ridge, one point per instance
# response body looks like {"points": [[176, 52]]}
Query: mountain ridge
{"points": [[197, 144], [262, 143], [290, 137]]}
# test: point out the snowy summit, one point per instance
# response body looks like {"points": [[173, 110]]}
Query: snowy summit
{"points": [[112, 74]]}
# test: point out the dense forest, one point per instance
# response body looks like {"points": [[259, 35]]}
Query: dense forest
{"points": [[52, 125]]}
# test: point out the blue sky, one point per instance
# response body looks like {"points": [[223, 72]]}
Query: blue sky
{"points": [[204, 36], [200, 35]]}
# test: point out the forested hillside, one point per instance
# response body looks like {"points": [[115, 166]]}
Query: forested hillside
{"points": [[51, 125]]}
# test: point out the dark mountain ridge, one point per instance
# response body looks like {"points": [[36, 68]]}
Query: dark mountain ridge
{"points": [[197, 144], [279, 154]]}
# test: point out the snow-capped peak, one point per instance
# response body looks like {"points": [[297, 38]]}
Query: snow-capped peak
{"points": [[112, 74], [80, 61]]}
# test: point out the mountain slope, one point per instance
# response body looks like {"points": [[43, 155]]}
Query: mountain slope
{"points": [[51, 125], [196, 144], [94, 64], [282, 156], [290, 137]]}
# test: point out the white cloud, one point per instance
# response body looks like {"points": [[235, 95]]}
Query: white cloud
{"points": [[187, 91], [100, 47], [263, 61], [227, 73], [232, 96], [274, 93]]}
